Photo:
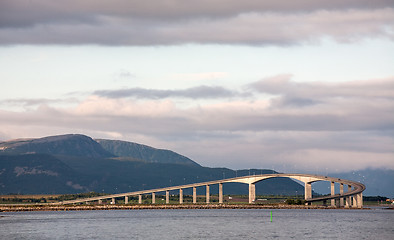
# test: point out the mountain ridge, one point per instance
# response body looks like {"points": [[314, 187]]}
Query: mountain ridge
{"points": [[141, 151], [83, 146], [68, 144]]}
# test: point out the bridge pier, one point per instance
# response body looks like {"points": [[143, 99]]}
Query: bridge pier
{"points": [[308, 191], [332, 194], [252, 192], [140, 199], [348, 203], [180, 196], [113, 201], [360, 200], [354, 201], [341, 192], [207, 193], [194, 195], [220, 192], [100, 201], [153, 198], [126, 200], [167, 197]]}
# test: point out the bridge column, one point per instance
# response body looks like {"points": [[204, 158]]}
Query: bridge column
{"points": [[100, 201], [220, 192], [252, 192], [348, 198], [332, 194], [341, 192], [140, 199], [308, 191], [180, 196], [113, 201], [194, 195], [207, 193], [354, 201], [360, 200], [126, 200], [167, 197], [153, 198], [347, 202]]}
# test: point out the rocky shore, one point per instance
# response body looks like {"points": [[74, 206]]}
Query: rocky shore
{"points": [[21, 208]]}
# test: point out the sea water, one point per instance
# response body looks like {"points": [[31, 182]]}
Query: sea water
{"points": [[200, 224]]}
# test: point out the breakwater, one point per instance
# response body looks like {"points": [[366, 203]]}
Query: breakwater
{"points": [[20, 208]]}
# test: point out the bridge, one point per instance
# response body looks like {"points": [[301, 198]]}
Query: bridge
{"points": [[351, 198]]}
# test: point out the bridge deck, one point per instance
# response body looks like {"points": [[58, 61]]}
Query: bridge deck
{"points": [[358, 188]]}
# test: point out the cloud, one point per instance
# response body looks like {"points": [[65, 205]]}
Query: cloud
{"points": [[294, 151], [34, 102], [350, 124], [200, 92], [124, 22], [126, 74], [282, 85], [316, 106], [22, 13]]}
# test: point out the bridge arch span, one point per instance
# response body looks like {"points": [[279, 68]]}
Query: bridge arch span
{"points": [[355, 189]]}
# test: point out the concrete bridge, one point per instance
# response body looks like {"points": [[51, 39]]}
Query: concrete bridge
{"points": [[352, 197]]}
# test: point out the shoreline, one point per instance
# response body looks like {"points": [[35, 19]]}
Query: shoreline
{"points": [[29, 208]]}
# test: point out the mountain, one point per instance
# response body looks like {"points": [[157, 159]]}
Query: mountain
{"points": [[76, 163], [139, 151], [69, 145], [40, 173]]}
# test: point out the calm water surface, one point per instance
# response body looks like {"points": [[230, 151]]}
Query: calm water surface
{"points": [[199, 224]]}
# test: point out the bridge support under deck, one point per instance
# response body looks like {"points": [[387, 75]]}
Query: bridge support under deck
{"points": [[332, 194], [140, 199], [354, 201], [153, 198], [180, 196], [167, 197], [308, 192], [360, 200], [194, 195], [207, 193], [252, 192], [341, 192], [348, 202], [220, 192], [126, 200]]}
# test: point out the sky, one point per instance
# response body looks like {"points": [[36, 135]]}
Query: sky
{"points": [[295, 86]]}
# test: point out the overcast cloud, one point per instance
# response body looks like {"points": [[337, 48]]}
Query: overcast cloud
{"points": [[296, 124], [172, 22], [204, 92], [203, 78]]}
